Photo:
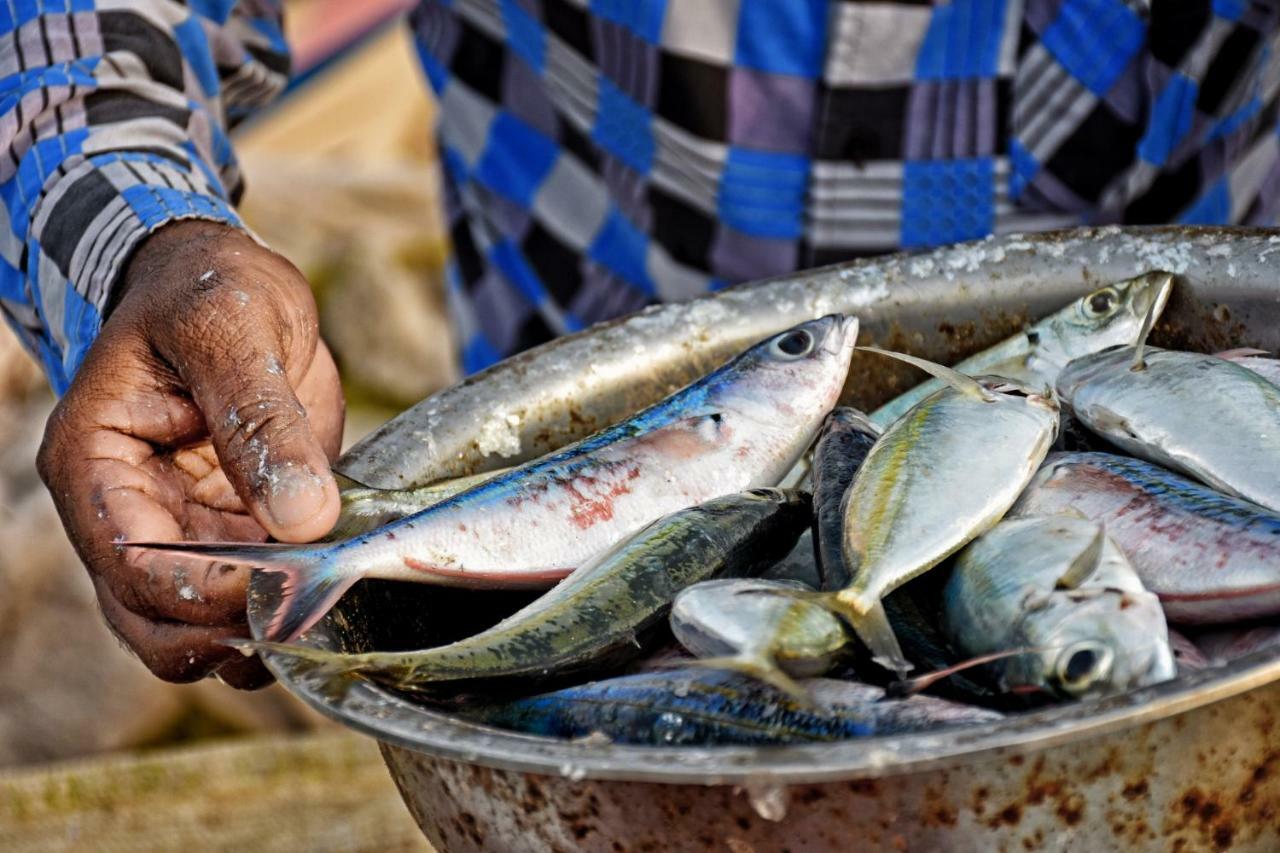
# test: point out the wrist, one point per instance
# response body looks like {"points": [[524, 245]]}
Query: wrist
{"points": [[173, 245]]}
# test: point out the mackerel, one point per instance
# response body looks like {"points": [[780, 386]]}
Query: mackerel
{"points": [[708, 708], [1059, 587], [1209, 557], [1107, 317], [939, 476], [1204, 416], [844, 441]]}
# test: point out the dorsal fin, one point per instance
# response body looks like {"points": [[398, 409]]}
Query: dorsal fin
{"points": [[1085, 563], [346, 482], [954, 378], [1148, 323]]}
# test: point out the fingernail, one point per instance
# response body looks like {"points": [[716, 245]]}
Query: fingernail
{"points": [[295, 494]]}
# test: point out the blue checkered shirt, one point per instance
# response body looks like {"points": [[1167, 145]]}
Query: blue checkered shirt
{"points": [[600, 155]]}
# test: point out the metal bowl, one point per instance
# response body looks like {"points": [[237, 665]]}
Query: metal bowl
{"points": [[1192, 763]]}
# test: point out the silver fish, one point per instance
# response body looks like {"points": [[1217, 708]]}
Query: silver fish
{"points": [[939, 476], [729, 625], [741, 427], [1210, 557], [1204, 416], [1107, 317], [1059, 587]]}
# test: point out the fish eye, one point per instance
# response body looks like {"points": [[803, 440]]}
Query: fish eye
{"points": [[1101, 302], [1080, 665], [794, 344], [1083, 665]]}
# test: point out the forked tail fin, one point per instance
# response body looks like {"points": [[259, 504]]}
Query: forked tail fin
{"points": [[313, 579]]}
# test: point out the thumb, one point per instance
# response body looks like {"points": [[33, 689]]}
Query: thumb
{"points": [[263, 439]]}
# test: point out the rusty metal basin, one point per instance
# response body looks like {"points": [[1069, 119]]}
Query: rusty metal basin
{"points": [[1193, 764]]}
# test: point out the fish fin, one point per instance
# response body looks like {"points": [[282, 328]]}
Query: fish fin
{"points": [[1148, 323], [309, 661], [873, 628], [954, 378], [1240, 352], [1085, 563], [356, 524], [334, 673], [346, 481], [313, 580], [760, 669], [682, 439], [354, 521]]}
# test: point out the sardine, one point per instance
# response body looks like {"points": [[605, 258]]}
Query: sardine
{"points": [[729, 625], [1204, 416], [939, 476], [1259, 361], [699, 707], [844, 441], [1210, 558], [741, 427], [597, 616], [1107, 317], [1059, 587]]}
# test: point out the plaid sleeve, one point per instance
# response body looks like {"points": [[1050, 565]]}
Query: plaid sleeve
{"points": [[113, 121]]}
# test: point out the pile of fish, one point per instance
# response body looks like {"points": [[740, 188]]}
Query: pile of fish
{"points": [[1021, 529]]}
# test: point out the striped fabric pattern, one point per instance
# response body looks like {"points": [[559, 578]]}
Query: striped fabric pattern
{"points": [[601, 155], [113, 121]]}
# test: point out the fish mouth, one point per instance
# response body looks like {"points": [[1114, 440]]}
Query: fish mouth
{"points": [[842, 337]]}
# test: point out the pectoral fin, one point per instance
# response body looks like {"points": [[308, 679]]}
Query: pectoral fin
{"points": [[1085, 563], [954, 378]]}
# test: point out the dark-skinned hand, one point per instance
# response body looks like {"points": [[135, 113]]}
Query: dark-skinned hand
{"points": [[207, 409]]}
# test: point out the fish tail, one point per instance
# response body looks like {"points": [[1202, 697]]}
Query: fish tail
{"points": [[313, 579], [872, 627], [760, 669]]}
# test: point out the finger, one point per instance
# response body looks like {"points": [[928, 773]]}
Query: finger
{"points": [[122, 503], [246, 673], [173, 651], [320, 393], [260, 430]]}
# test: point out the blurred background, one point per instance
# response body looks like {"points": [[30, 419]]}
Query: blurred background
{"points": [[90, 742]]}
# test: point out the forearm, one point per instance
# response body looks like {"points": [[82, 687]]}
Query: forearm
{"points": [[113, 124]]}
